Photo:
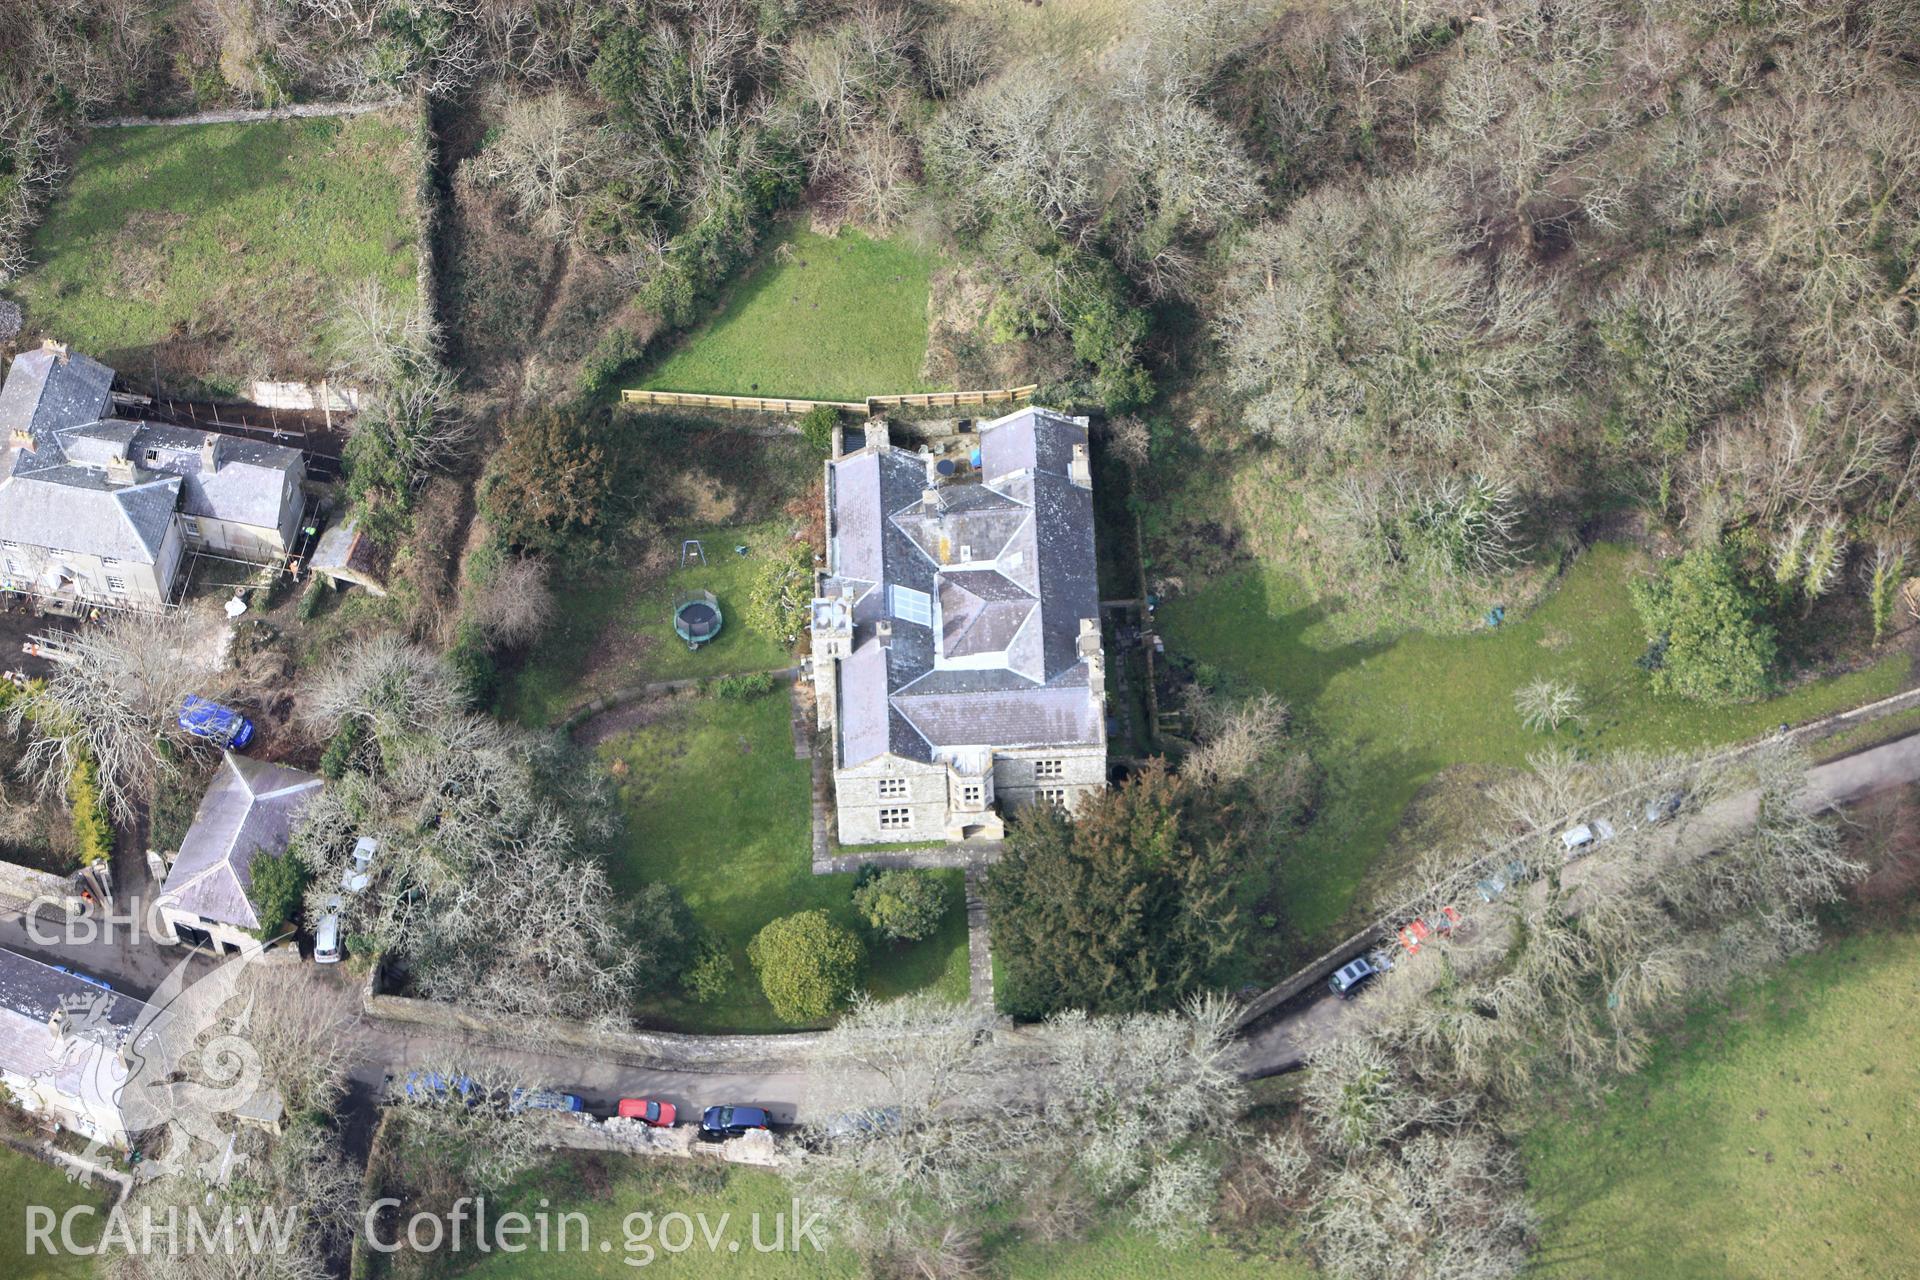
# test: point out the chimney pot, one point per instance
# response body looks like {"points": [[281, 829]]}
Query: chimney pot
{"points": [[210, 452]]}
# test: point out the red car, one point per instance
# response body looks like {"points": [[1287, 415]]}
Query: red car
{"points": [[657, 1114], [1419, 931]]}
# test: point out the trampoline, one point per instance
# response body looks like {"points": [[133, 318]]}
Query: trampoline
{"points": [[696, 618]]}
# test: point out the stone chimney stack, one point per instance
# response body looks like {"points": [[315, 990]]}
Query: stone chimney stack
{"points": [[1088, 646], [58, 348], [61, 1025], [1080, 470], [877, 433], [19, 438], [210, 452], [883, 632]]}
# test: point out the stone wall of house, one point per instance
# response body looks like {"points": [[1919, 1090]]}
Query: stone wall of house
{"points": [[1019, 779], [25, 568], [859, 802]]}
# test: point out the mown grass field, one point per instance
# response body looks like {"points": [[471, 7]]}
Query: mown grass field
{"points": [[25, 1182], [717, 806], [741, 1194], [614, 629], [1385, 719], [1773, 1136], [213, 254], [817, 318]]}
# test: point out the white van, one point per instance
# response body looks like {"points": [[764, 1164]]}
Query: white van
{"points": [[326, 937]]}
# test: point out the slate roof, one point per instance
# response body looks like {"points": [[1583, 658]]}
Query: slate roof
{"points": [[99, 1020], [45, 393], [109, 487], [250, 806], [1007, 568]]}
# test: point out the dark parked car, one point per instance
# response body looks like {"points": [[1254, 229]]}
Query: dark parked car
{"points": [[731, 1122], [542, 1100], [658, 1114]]}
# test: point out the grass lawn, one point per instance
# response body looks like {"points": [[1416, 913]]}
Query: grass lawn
{"points": [[815, 318], [717, 806], [1773, 1136], [612, 630], [214, 252], [24, 1182], [1384, 719], [728, 1212]]}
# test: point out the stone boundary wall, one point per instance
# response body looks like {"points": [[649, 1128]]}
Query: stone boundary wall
{"points": [[248, 115], [651, 1050], [25, 884]]}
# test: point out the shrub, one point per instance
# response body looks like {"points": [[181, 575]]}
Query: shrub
{"points": [[781, 594], [279, 882], [472, 661], [710, 974], [616, 350], [339, 755], [745, 688], [907, 904], [808, 965], [817, 425], [551, 482], [312, 599], [1708, 636], [92, 833]]}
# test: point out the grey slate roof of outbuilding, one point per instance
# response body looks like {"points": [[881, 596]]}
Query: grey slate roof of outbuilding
{"points": [[1008, 566], [250, 806]]}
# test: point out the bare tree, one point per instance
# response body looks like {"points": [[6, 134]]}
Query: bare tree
{"points": [[547, 159], [1545, 704], [114, 701], [516, 604]]}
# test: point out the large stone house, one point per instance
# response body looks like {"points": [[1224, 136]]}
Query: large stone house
{"points": [[66, 1047], [98, 510], [250, 808], [956, 635]]}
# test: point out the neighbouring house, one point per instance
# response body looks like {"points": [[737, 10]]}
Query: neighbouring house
{"points": [[956, 636], [251, 807], [66, 1047], [98, 510]]}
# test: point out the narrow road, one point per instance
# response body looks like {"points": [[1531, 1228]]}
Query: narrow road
{"points": [[1276, 1044], [1282, 1041]]}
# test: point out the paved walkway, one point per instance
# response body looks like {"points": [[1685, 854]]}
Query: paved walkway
{"points": [[979, 940]]}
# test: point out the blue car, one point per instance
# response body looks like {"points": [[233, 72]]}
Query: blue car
{"points": [[210, 720], [421, 1085], [731, 1122], [542, 1100]]}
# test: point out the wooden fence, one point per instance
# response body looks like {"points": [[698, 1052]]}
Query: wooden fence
{"points": [[871, 405]]}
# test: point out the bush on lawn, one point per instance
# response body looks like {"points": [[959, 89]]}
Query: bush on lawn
{"points": [[781, 594], [904, 904], [808, 965], [1710, 640], [710, 974], [745, 688]]}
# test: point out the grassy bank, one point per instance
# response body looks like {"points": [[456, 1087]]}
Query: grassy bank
{"points": [[717, 806], [817, 317], [211, 255], [26, 1182], [1771, 1136], [1385, 719]]}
